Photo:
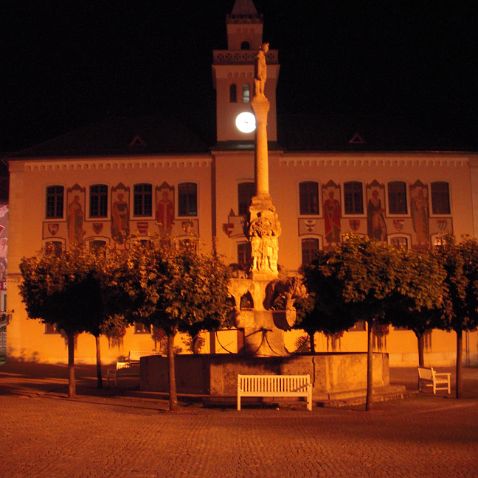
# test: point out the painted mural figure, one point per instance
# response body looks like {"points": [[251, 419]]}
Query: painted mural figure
{"points": [[165, 213], [120, 219], [419, 209], [75, 221], [376, 226], [332, 215], [260, 71]]}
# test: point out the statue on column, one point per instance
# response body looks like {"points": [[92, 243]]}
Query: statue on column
{"points": [[260, 70]]}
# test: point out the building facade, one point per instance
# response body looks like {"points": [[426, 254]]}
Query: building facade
{"points": [[145, 178]]}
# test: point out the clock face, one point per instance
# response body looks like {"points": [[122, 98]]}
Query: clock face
{"points": [[246, 122]]}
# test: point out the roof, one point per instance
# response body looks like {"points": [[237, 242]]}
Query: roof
{"points": [[302, 132], [144, 135], [244, 8], [296, 132]]}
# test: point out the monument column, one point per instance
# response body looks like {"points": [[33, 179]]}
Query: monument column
{"points": [[263, 227], [260, 106], [261, 334]]}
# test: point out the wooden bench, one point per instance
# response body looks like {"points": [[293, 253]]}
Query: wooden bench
{"points": [[126, 366], [429, 378], [274, 386]]}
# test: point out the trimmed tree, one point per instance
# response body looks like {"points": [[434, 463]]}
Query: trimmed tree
{"points": [[322, 310], [61, 290], [177, 291], [362, 278], [418, 296], [460, 304]]}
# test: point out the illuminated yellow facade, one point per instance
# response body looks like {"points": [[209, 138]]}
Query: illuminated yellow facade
{"points": [[60, 195]]}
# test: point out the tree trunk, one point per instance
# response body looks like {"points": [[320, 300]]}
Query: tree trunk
{"points": [[173, 398], [312, 342], [71, 366], [459, 354], [368, 398], [99, 374], [421, 349]]}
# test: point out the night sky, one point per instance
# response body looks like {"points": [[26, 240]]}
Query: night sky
{"points": [[69, 64]]}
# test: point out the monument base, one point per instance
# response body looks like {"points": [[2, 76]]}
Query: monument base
{"points": [[216, 374]]}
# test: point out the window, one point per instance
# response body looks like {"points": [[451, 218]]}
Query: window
{"points": [[53, 248], [245, 191], [97, 246], [397, 197], [440, 198], [54, 202], [400, 242], [310, 247], [359, 326], [233, 94], [246, 93], [98, 200], [245, 45], [244, 254], [309, 197], [247, 302], [140, 328], [187, 197], [188, 245], [353, 196], [143, 200], [51, 329]]}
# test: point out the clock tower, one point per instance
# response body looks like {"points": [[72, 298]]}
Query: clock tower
{"points": [[233, 76]]}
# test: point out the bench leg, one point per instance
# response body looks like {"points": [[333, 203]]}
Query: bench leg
{"points": [[238, 403]]}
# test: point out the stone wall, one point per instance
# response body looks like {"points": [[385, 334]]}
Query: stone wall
{"points": [[216, 375]]}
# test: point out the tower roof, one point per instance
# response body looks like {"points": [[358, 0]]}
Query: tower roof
{"points": [[244, 10], [244, 7]]}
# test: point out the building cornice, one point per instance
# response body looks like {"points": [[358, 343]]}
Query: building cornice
{"points": [[110, 163], [379, 160]]}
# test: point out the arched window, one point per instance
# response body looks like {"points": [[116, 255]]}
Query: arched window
{"points": [[53, 248], [188, 201], [353, 196], [54, 202], [233, 93], [98, 200], [97, 246], [244, 254], [247, 301], [143, 200], [246, 93], [400, 242], [310, 248], [309, 197], [245, 191], [245, 45], [397, 197], [440, 198]]}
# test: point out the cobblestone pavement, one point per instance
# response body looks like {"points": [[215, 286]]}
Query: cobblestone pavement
{"points": [[43, 434]]}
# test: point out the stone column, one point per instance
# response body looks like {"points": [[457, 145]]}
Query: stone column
{"points": [[260, 106]]}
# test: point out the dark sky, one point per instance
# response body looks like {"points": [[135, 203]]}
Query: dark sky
{"points": [[67, 64]]}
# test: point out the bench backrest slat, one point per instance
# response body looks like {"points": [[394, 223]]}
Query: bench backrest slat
{"points": [[273, 383], [425, 373]]}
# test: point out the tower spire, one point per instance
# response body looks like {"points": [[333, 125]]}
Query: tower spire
{"points": [[244, 9]]}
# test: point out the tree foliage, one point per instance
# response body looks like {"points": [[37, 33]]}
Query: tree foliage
{"points": [[353, 281], [418, 296], [62, 290], [460, 304], [177, 291]]}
